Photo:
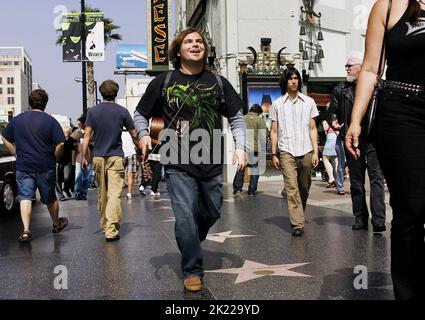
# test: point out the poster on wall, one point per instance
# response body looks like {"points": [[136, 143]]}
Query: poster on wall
{"points": [[264, 94]]}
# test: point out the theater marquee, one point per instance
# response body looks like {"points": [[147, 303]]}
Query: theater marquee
{"points": [[158, 26]]}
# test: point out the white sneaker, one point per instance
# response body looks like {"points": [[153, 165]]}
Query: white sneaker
{"points": [[142, 190], [128, 196], [155, 194]]}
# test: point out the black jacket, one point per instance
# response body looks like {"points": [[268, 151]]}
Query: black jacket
{"points": [[342, 105]]}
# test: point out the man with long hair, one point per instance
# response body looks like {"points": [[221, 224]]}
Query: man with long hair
{"points": [[294, 135], [192, 102]]}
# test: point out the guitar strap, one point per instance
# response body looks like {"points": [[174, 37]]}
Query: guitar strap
{"points": [[166, 83]]}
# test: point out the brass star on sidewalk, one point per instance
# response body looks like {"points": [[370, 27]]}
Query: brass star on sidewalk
{"points": [[222, 236], [252, 270]]}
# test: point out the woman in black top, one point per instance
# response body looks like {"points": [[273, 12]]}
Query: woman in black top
{"points": [[400, 140]]}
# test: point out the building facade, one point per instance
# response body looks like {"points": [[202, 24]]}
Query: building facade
{"points": [[253, 41], [15, 81], [134, 90]]}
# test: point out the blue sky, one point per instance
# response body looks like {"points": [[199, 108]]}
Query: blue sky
{"points": [[30, 24]]}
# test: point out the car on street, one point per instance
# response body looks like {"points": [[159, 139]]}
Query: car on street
{"points": [[8, 187]]}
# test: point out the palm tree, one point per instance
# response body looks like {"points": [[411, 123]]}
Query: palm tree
{"points": [[109, 35]]}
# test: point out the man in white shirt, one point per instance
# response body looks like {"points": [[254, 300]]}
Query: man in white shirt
{"points": [[294, 134]]}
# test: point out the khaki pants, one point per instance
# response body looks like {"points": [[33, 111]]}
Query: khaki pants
{"points": [[110, 178], [297, 177]]}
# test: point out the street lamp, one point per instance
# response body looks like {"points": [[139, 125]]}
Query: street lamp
{"points": [[83, 55]]}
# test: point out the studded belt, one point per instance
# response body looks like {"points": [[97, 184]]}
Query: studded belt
{"points": [[405, 87]]}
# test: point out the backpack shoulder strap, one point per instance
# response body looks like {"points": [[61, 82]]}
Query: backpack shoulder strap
{"points": [[166, 83], [220, 84]]}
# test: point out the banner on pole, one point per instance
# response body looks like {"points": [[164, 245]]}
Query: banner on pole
{"points": [[71, 37], [95, 40]]}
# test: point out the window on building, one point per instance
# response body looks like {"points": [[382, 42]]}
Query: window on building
{"points": [[10, 100], [1, 80], [1, 90], [10, 80], [10, 90]]}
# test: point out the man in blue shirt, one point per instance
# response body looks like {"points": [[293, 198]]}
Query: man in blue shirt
{"points": [[105, 122], [36, 139]]}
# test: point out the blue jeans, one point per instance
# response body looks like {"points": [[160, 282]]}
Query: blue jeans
{"points": [[82, 179], [196, 205], [340, 153], [28, 182]]}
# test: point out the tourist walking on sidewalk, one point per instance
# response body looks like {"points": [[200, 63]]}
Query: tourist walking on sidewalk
{"points": [[131, 163], [294, 144], [65, 174], [341, 106], [82, 175], [105, 122], [400, 132], [330, 160], [256, 146], [36, 139], [192, 101]]}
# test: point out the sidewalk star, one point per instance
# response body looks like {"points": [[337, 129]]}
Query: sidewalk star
{"points": [[222, 236], [252, 270]]}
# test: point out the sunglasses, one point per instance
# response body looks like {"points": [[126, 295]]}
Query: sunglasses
{"points": [[349, 66]]}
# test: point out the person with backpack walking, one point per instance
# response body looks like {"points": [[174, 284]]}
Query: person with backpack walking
{"points": [[192, 106]]}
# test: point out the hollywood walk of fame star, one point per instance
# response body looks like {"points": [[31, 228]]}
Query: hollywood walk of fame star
{"points": [[252, 270], [222, 236]]}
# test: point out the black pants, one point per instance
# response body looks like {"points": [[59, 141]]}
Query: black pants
{"points": [[156, 168], [254, 174], [64, 178], [401, 152], [368, 160]]}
